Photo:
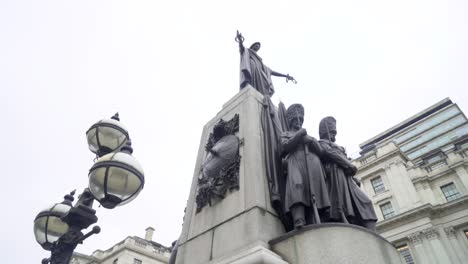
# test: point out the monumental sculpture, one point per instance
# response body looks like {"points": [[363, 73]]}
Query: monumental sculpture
{"points": [[306, 190], [253, 71], [298, 189], [263, 152], [348, 203]]}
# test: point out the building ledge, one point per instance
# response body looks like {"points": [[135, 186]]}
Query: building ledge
{"points": [[425, 210], [379, 161]]}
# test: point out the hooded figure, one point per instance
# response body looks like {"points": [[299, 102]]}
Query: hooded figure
{"points": [[348, 202], [305, 179]]}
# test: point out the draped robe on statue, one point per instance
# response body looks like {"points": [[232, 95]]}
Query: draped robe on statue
{"points": [[345, 195], [272, 127], [305, 175], [255, 73]]}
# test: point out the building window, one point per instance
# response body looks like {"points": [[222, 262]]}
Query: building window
{"points": [[378, 185], [450, 192], [137, 261], [405, 254], [387, 210]]}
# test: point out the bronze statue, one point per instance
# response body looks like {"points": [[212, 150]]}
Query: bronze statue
{"points": [[306, 191], [253, 71], [349, 204]]}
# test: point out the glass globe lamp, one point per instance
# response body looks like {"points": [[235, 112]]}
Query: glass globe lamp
{"points": [[116, 178], [48, 225], [106, 136]]}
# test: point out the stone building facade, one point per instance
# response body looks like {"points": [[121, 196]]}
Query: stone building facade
{"points": [[416, 174], [131, 250]]}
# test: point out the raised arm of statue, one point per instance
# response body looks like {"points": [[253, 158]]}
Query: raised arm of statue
{"points": [[240, 39]]}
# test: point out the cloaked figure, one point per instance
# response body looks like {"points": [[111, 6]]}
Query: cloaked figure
{"points": [[306, 195], [253, 71], [349, 204]]}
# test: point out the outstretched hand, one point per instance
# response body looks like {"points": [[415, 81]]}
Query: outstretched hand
{"points": [[290, 78]]}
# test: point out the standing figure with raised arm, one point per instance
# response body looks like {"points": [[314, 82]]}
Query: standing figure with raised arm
{"points": [[306, 195], [349, 204], [253, 71]]}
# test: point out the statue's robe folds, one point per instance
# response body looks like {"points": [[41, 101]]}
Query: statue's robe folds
{"points": [[255, 73], [305, 174], [344, 193], [273, 124]]}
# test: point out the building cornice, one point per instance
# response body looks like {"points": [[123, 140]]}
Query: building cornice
{"points": [[102, 255], [380, 163], [136, 249], [425, 210]]}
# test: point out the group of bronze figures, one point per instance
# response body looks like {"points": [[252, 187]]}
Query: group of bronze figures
{"points": [[311, 181]]}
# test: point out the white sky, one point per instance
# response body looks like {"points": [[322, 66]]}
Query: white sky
{"points": [[168, 66]]}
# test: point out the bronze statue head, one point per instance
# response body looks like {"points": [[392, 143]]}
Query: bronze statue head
{"points": [[255, 46], [327, 128], [295, 116]]}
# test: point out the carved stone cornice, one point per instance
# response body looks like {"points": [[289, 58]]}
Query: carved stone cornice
{"points": [[415, 238], [431, 233], [385, 158]]}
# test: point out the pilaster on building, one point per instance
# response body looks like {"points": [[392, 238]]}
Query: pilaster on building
{"points": [[416, 174]]}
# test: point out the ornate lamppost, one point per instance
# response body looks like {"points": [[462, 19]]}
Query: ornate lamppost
{"points": [[115, 179]]}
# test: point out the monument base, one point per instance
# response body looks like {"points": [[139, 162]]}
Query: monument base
{"points": [[334, 243], [258, 254]]}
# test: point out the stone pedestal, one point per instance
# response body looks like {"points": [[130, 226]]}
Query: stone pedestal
{"points": [[235, 229], [334, 244]]}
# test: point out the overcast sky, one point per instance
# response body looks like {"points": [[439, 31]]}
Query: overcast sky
{"points": [[169, 66]]}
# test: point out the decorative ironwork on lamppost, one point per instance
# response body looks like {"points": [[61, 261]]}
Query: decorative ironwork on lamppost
{"points": [[115, 179]]}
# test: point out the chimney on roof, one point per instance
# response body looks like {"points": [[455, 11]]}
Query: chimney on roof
{"points": [[149, 233]]}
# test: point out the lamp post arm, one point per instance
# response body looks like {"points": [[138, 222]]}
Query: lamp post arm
{"points": [[95, 230]]}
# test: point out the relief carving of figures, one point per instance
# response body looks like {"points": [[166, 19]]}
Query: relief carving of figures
{"points": [[220, 170], [349, 204], [306, 195]]}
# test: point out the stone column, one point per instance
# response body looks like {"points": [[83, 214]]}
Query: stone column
{"points": [[424, 189], [458, 252], [438, 249], [410, 190], [420, 253], [402, 187], [463, 175]]}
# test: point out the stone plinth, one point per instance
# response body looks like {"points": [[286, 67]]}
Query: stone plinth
{"points": [[235, 229], [334, 244]]}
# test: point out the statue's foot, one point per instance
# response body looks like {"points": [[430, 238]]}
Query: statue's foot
{"points": [[299, 223], [370, 225]]}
